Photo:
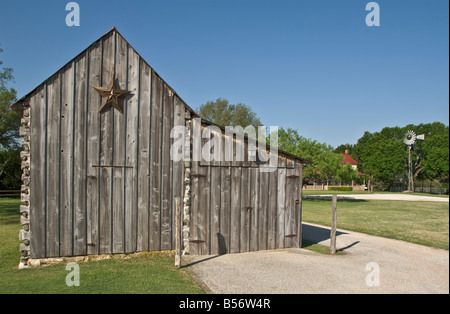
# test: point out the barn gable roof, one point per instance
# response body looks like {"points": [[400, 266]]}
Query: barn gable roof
{"points": [[18, 105]]}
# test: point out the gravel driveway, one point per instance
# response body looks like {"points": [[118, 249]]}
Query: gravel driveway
{"points": [[390, 197], [372, 265]]}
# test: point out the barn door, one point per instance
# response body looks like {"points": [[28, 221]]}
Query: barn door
{"points": [[240, 209]]}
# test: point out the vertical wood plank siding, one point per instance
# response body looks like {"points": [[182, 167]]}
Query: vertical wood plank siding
{"points": [[104, 182], [236, 208], [38, 174]]}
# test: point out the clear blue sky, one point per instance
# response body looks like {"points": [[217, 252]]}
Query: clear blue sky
{"points": [[312, 65]]}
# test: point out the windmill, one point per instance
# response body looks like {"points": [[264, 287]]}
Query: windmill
{"points": [[410, 139]]}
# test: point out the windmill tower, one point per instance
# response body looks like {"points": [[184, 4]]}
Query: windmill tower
{"points": [[410, 139]]}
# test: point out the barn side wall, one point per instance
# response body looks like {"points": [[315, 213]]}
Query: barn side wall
{"points": [[236, 207], [103, 183]]}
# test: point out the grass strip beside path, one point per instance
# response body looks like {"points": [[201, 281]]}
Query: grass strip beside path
{"points": [[135, 275], [425, 223]]}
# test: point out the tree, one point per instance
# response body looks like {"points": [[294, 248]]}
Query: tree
{"points": [[10, 170], [324, 162], [222, 113], [328, 165], [9, 120], [434, 151], [384, 155], [9, 133], [346, 174], [344, 147]]}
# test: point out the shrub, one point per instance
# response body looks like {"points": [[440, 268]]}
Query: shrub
{"points": [[340, 188]]}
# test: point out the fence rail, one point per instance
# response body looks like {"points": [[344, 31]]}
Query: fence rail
{"points": [[9, 193], [422, 189], [431, 190], [324, 187]]}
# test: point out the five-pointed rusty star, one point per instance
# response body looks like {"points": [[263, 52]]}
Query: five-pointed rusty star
{"points": [[111, 95]]}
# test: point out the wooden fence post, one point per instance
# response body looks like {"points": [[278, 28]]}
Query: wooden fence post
{"points": [[333, 225], [178, 233]]}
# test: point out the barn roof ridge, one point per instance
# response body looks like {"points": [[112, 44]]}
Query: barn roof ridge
{"points": [[16, 105]]}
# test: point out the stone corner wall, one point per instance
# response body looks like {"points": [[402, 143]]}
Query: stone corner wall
{"points": [[187, 184], [24, 234]]}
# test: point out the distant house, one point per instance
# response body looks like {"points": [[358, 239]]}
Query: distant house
{"points": [[349, 160]]}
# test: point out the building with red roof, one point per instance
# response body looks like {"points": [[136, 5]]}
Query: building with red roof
{"points": [[349, 160]]}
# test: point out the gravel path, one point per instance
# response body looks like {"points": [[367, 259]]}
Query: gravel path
{"points": [[402, 267], [391, 197]]}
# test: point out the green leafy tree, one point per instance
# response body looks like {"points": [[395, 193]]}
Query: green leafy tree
{"points": [[344, 147], [384, 155], [222, 113], [346, 174], [9, 133], [324, 162], [9, 120], [10, 171], [328, 165], [434, 151]]}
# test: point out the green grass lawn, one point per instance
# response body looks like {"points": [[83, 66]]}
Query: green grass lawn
{"points": [[318, 248], [137, 275], [425, 223]]}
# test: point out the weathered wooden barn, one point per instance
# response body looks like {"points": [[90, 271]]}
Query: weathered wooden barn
{"points": [[98, 177]]}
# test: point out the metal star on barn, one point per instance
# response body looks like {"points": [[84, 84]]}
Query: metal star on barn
{"points": [[111, 96]]}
